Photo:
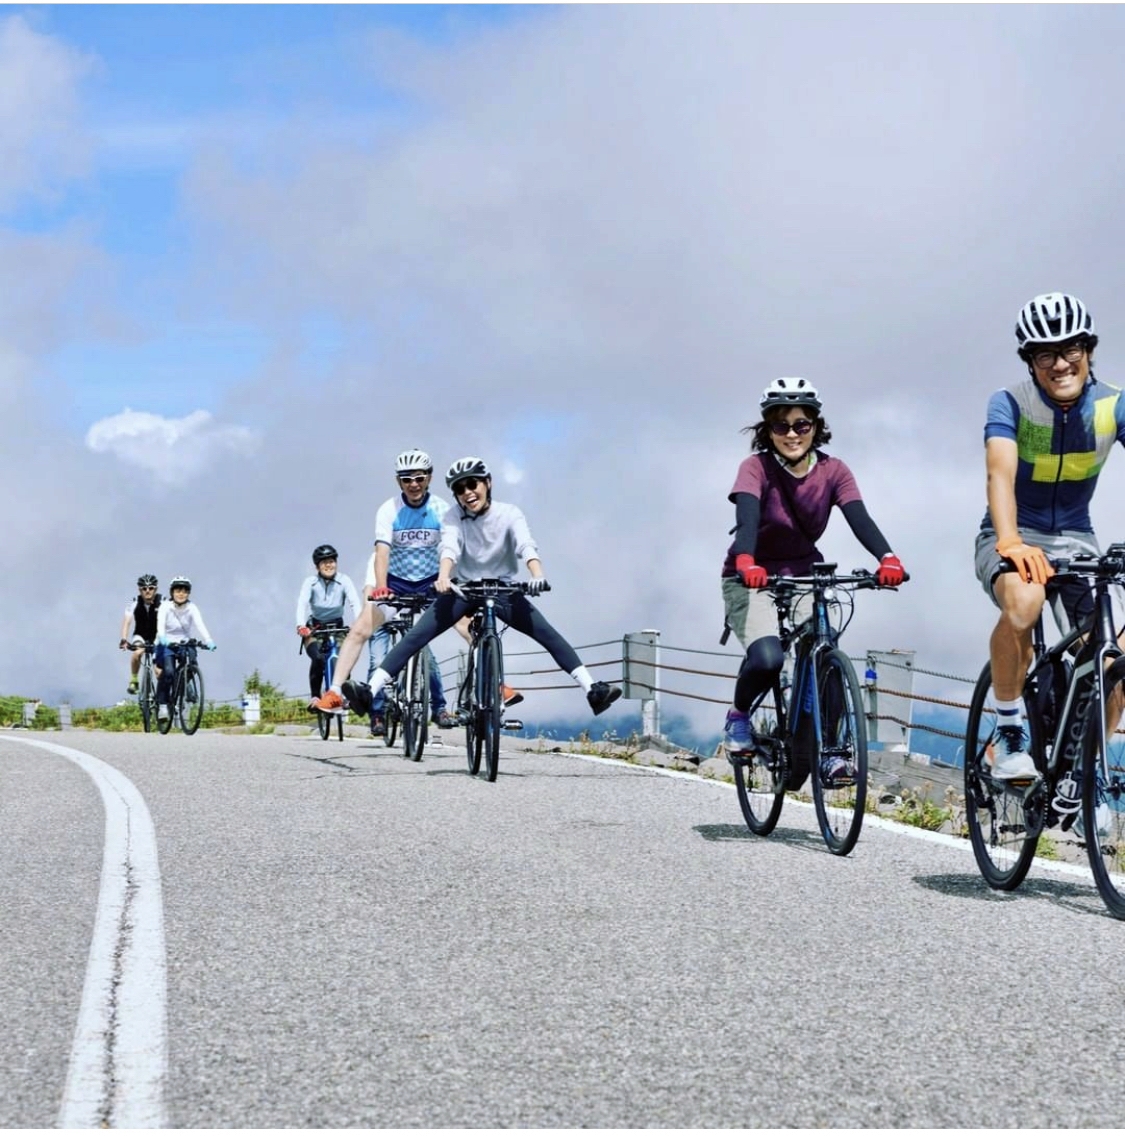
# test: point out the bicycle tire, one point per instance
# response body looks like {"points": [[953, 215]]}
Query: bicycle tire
{"points": [[492, 704], [1002, 831], [146, 695], [417, 680], [190, 698], [841, 799], [759, 777], [471, 713], [1103, 788], [324, 723], [392, 714], [164, 725]]}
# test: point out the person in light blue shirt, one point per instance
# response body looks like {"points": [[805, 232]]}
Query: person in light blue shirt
{"points": [[321, 602]]}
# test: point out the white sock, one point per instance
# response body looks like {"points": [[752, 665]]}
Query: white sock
{"points": [[1009, 712], [379, 679], [582, 677]]}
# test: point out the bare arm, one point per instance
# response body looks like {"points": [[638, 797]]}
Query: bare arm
{"points": [[1001, 460]]}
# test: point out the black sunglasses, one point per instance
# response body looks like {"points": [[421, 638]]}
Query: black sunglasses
{"points": [[465, 485], [801, 427]]}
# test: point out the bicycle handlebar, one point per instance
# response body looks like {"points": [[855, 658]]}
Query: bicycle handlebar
{"points": [[827, 577], [486, 588], [327, 633]]}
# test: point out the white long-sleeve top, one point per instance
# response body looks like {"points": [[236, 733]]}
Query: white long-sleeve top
{"points": [[180, 623], [490, 545]]}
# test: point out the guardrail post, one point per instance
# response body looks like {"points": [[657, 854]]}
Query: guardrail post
{"points": [[30, 709], [641, 676], [64, 716], [251, 708]]}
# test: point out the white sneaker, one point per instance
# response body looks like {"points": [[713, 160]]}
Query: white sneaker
{"points": [[162, 711], [1102, 814], [1011, 761]]}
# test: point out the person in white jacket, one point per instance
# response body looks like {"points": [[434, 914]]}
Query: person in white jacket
{"points": [[177, 620], [483, 540]]}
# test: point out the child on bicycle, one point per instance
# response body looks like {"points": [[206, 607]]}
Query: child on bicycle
{"points": [[783, 495], [484, 540], [177, 620], [320, 604]]}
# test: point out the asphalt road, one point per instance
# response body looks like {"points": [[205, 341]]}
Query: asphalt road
{"points": [[355, 940]]}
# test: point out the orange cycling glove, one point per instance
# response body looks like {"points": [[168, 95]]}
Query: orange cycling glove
{"points": [[1030, 562]]}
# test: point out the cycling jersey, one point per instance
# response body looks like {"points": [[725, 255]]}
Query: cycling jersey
{"points": [[1060, 452], [413, 534], [786, 536], [143, 617], [179, 624], [322, 601], [488, 545]]}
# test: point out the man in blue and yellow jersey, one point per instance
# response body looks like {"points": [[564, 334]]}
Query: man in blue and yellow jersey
{"points": [[1046, 440]]}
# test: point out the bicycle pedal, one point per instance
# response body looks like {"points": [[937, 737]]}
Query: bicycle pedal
{"points": [[511, 724]]}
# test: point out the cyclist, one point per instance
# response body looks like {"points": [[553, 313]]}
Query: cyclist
{"points": [[177, 620], [405, 563], [1046, 440], [320, 604], [141, 614], [783, 495], [484, 540]]}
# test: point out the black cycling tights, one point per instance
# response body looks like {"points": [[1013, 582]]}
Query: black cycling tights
{"points": [[448, 608], [762, 665]]}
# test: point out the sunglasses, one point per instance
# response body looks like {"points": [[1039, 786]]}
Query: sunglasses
{"points": [[466, 485], [148, 587], [801, 427], [413, 479]]}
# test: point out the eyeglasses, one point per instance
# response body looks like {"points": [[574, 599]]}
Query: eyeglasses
{"points": [[464, 486], [148, 587], [801, 427], [1071, 354], [413, 479]]}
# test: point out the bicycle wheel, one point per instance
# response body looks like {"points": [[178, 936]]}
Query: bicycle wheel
{"points": [[146, 696], [190, 698], [416, 697], [491, 704], [839, 774], [392, 712], [164, 725], [760, 775], [1002, 831], [1103, 799]]}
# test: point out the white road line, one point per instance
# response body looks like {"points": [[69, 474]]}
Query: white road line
{"points": [[119, 1058]]}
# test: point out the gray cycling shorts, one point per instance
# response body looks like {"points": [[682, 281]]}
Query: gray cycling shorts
{"points": [[751, 612], [1070, 600]]}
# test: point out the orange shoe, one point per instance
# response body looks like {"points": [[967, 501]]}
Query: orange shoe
{"points": [[330, 703], [510, 695]]}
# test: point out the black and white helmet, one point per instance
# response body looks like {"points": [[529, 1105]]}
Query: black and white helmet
{"points": [[1051, 318], [146, 581], [790, 392], [466, 468], [179, 582], [413, 460], [324, 553]]}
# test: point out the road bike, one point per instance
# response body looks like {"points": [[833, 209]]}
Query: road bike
{"points": [[407, 700], [817, 722], [146, 685], [187, 688], [480, 703], [1080, 757], [331, 638]]}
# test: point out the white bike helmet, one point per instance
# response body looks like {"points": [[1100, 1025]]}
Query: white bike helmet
{"points": [[413, 460], [179, 582], [1051, 318], [466, 468], [790, 392]]}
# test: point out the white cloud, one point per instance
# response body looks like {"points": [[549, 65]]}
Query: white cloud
{"points": [[511, 473], [169, 448], [40, 136]]}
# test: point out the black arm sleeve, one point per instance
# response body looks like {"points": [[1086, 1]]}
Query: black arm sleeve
{"points": [[747, 512], [866, 531]]}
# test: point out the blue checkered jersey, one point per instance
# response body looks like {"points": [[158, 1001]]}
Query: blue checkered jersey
{"points": [[413, 534], [1061, 452]]}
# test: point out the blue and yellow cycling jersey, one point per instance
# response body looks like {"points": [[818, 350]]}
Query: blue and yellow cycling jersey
{"points": [[1061, 452]]}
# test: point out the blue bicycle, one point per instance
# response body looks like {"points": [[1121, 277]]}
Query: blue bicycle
{"points": [[815, 725]]}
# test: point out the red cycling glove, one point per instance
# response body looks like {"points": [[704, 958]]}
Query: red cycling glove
{"points": [[383, 593], [753, 575], [890, 572]]}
